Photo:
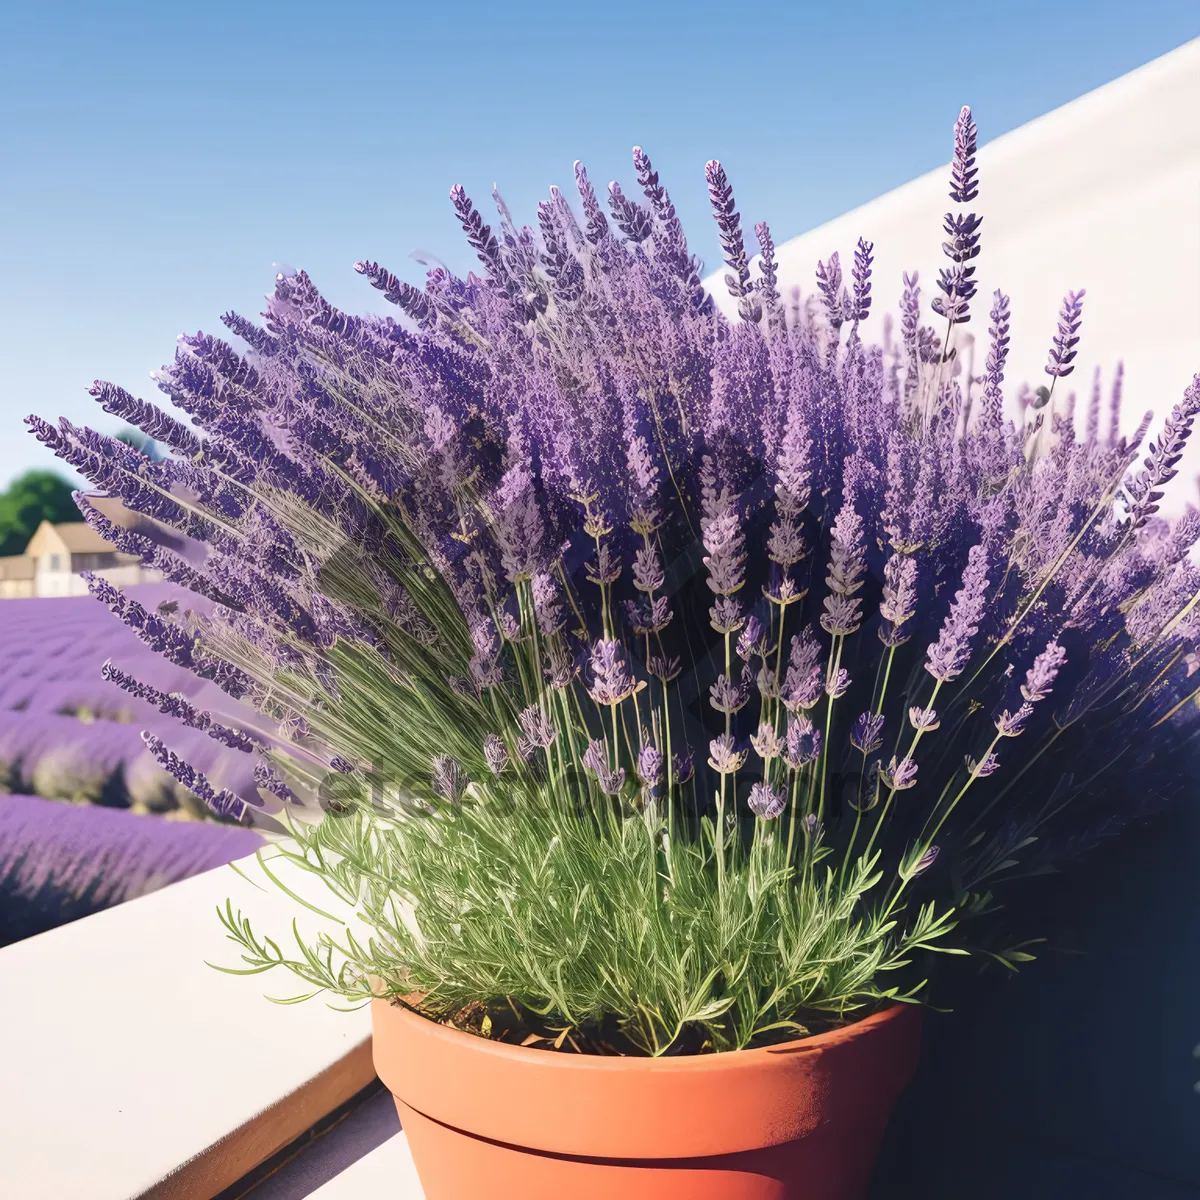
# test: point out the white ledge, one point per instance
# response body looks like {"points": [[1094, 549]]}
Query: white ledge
{"points": [[133, 1069]]}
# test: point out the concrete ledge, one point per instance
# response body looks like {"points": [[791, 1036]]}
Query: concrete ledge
{"points": [[133, 1069]]}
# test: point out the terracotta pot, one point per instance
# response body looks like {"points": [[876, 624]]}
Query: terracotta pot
{"points": [[799, 1121]]}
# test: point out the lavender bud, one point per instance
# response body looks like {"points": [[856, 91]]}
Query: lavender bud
{"points": [[899, 775], [495, 753], [867, 734], [724, 756]]}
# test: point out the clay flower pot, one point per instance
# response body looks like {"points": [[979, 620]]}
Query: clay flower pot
{"points": [[799, 1121]]}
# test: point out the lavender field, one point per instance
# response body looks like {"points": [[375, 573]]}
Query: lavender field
{"points": [[67, 734], [59, 862], [72, 757]]}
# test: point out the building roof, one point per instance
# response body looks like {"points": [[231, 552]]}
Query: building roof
{"points": [[80, 538]]}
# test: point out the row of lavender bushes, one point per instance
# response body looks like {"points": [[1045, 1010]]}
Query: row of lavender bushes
{"points": [[72, 757], [68, 734], [60, 862]]}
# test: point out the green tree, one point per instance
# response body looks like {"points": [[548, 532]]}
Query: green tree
{"points": [[31, 498]]}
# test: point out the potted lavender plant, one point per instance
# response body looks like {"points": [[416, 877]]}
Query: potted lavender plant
{"points": [[662, 690]]}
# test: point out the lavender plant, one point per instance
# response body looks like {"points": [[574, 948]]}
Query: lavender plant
{"points": [[648, 679]]}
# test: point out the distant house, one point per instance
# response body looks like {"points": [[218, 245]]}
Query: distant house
{"points": [[56, 554]]}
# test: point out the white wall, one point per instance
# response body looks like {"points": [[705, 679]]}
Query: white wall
{"points": [[1102, 194]]}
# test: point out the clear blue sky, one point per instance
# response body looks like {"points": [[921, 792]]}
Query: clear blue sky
{"points": [[158, 158]]}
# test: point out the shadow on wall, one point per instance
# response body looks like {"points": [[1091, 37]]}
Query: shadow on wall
{"points": [[1076, 1078]]}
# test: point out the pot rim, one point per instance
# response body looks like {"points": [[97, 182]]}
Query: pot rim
{"points": [[722, 1060], [646, 1108]]}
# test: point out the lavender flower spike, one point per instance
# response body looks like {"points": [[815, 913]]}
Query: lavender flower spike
{"points": [[222, 801], [1062, 351], [1039, 679], [729, 227], [650, 765], [1143, 490], [496, 754], [803, 743], [949, 655], [449, 779], [611, 681], [957, 281], [765, 801], [900, 774], [595, 759], [867, 734]]}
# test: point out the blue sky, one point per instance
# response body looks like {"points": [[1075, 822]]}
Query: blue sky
{"points": [[159, 158]]}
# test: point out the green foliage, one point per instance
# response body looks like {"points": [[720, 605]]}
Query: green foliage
{"points": [[31, 498], [580, 921], [618, 918]]}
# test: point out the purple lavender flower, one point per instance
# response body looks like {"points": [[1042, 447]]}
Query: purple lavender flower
{"points": [[730, 696], [766, 742], [838, 684], [478, 234], [449, 779], [1011, 724], [595, 759], [963, 173], [1039, 679], [724, 755], [597, 223], [768, 283], [729, 226], [829, 284], [726, 557], [923, 719], [537, 727], [632, 220], [664, 667], [1144, 490], [766, 802], [803, 742], [1062, 351], [925, 861], [684, 765], [267, 778], [860, 302], [957, 281], [993, 395], [726, 615], [950, 654], [985, 766], [847, 564], [751, 644], [899, 774], [611, 681], [650, 765], [222, 801], [867, 734], [495, 753]]}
